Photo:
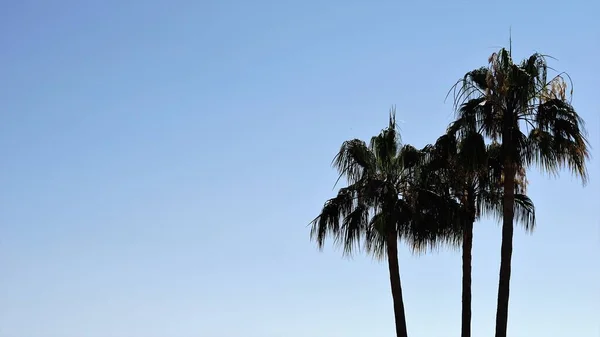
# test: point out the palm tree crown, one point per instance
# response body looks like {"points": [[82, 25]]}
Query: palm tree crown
{"points": [[519, 103], [382, 197]]}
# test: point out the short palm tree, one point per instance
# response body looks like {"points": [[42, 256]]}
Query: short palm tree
{"points": [[529, 114], [471, 171], [377, 208]]}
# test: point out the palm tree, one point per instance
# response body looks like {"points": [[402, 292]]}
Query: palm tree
{"points": [[529, 114], [377, 208], [471, 170]]}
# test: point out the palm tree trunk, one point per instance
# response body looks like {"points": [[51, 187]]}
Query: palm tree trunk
{"points": [[467, 247], [506, 250], [399, 315]]}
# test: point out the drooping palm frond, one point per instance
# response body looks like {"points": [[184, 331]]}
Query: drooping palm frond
{"points": [[525, 212], [375, 238], [409, 157], [559, 139], [330, 220], [472, 152], [352, 229], [436, 220], [354, 160]]}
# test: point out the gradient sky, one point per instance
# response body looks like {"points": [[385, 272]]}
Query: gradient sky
{"points": [[161, 162]]}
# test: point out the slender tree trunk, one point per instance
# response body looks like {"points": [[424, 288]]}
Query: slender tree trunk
{"points": [[467, 247], [506, 250], [399, 315]]}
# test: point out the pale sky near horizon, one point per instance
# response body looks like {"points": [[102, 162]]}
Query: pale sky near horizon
{"points": [[161, 162]]}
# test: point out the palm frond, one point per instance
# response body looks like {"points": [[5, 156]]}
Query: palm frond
{"points": [[352, 229], [328, 222], [525, 212], [472, 152], [354, 160], [560, 139], [436, 221], [375, 235]]}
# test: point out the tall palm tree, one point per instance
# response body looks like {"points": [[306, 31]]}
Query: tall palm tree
{"points": [[471, 170], [377, 208], [531, 117]]}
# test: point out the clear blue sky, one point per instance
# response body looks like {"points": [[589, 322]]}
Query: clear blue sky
{"points": [[161, 161]]}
